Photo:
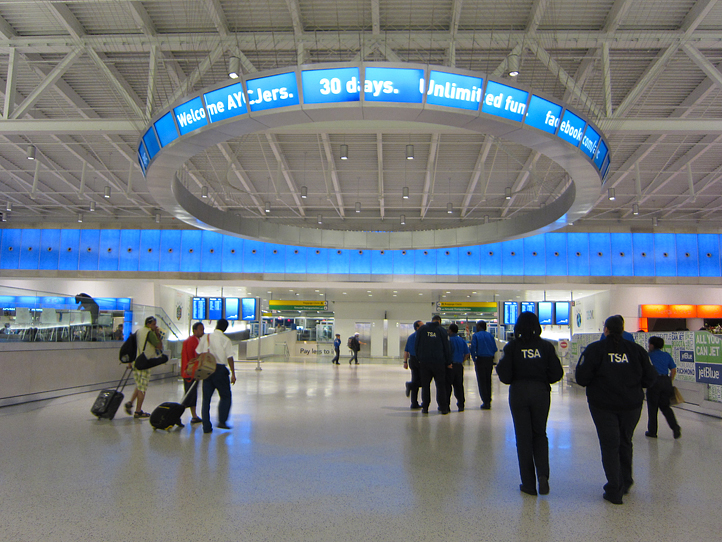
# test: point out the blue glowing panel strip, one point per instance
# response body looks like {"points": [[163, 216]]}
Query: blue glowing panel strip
{"points": [[166, 129], [590, 141], [504, 101], [452, 90], [190, 115], [331, 86], [543, 114], [143, 158], [601, 154], [272, 92], [400, 85], [151, 143], [571, 128], [225, 103]]}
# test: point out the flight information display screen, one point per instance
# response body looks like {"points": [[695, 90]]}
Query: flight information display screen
{"points": [[562, 313], [200, 308], [546, 313], [232, 305], [528, 306], [249, 309], [511, 309], [215, 308]]}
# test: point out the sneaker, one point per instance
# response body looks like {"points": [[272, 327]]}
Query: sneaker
{"points": [[129, 408], [141, 414]]}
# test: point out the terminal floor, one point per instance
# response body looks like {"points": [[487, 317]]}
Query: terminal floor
{"points": [[333, 453]]}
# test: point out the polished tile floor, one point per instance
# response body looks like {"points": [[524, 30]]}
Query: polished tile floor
{"points": [[333, 453]]}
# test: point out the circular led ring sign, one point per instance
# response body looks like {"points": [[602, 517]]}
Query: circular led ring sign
{"points": [[381, 92]]}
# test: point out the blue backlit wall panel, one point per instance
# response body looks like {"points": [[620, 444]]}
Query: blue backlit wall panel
{"points": [[622, 256], [578, 254], [425, 262], [89, 250], [338, 262], [643, 254], [317, 261], [69, 248], [534, 256], [232, 254], [275, 258], [296, 259], [360, 262], [403, 262], [11, 240], [709, 263], [665, 255], [149, 256], [170, 251], [512, 258], [50, 249], [191, 251], [687, 255], [212, 253], [129, 250], [253, 252], [447, 261], [488, 259], [29, 249], [382, 262], [109, 250], [600, 256], [556, 254]]}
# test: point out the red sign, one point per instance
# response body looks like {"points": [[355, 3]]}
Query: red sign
{"points": [[563, 344]]}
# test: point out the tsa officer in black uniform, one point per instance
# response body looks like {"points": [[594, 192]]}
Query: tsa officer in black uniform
{"points": [[434, 355], [614, 371], [529, 365]]}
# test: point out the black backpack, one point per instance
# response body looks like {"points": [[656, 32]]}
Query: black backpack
{"points": [[129, 350]]}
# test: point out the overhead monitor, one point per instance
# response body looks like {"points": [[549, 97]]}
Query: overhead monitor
{"points": [[231, 308], [200, 308], [528, 306], [546, 313], [562, 313], [249, 309], [215, 308], [511, 309]]}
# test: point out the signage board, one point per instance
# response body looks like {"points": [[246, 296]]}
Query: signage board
{"points": [[469, 306], [543, 114], [231, 308], [454, 90], [572, 128], [528, 306], [200, 308], [273, 91], [335, 85], [249, 309], [215, 308], [151, 143], [293, 305], [546, 313], [511, 309], [225, 103], [190, 115], [504, 101], [166, 129], [403, 85]]}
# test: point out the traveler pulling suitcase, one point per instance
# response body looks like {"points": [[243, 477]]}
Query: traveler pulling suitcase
{"points": [[166, 415], [108, 400]]}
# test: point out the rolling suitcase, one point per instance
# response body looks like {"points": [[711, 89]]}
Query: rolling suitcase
{"points": [[109, 400], [166, 415]]}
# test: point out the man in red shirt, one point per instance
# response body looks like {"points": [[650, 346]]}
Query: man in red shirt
{"points": [[188, 353]]}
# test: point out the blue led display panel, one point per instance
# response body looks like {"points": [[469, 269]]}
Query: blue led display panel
{"points": [[225, 103], [231, 308], [571, 128], [166, 130], [504, 101], [543, 114], [331, 86], [143, 158], [151, 143], [215, 308], [546, 313], [272, 92], [590, 141], [511, 309], [200, 308], [528, 306], [453, 90], [190, 115], [249, 309], [402, 85], [562, 313], [601, 154]]}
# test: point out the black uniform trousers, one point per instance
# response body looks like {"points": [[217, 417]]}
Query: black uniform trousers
{"points": [[455, 380], [484, 366], [437, 372], [615, 429], [354, 357], [529, 402], [337, 352], [415, 382], [658, 396]]}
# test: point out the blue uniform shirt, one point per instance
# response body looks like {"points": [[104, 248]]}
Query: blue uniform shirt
{"points": [[662, 361], [626, 335], [336, 344], [411, 345], [483, 345], [459, 348]]}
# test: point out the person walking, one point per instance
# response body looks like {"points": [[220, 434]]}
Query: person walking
{"points": [[659, 393], [614, 371], [529, 365], [336, 349], [412, 363], [220, 346], [432, 351], [483, 348], [455, 372], [355, 345], [188, 353], [148, 341]]}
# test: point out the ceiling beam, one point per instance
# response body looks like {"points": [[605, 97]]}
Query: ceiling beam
{"points": [[430, 176], [521, 180], [453, 29], [195, 76], [479, 170], [118, 83], [333, 172], [239, 172], [295, 10], [538, 9], [375, 18], [65, 17], [142, 19], [704, 64], [380, 173], [215, 10], [616, 15], [6, 31], [286, 171]]}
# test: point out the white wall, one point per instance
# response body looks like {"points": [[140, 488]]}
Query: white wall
{"points": [[594, 310]]}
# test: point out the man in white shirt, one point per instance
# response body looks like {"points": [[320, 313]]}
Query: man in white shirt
{"points": [[220, 346]]}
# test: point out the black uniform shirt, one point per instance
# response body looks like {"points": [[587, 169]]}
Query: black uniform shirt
{"points": [[529, 360], [432, 344]]}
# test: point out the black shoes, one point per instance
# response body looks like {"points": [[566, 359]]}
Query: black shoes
{"points": [[424, 410], [485, 407], [651, 435], [461, 409], [408, 389], [527, 490], [677, 432], [611, 499], [129, 408], [223, 426], [415, 406], [543, 486], [446, 411]]}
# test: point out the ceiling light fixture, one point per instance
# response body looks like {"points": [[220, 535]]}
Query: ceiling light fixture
{"points": [[9, 206], [507, 193], [234, 67], [268, 207], [403, 220], [204, 192], [405, 193], [358, 206], [610, 194], [486, 219], [92, 207], [304, 192], [106, 192], [319, 219], [635, 209], [655, 222], [450, 208], [513, 65], [4, 217], [344, 152], [157, 218], [31, 152], [80, 217], [409, 152]]}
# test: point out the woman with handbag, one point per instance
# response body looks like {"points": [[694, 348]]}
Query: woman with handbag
{"points": [[148, 341], [660, 393]]}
